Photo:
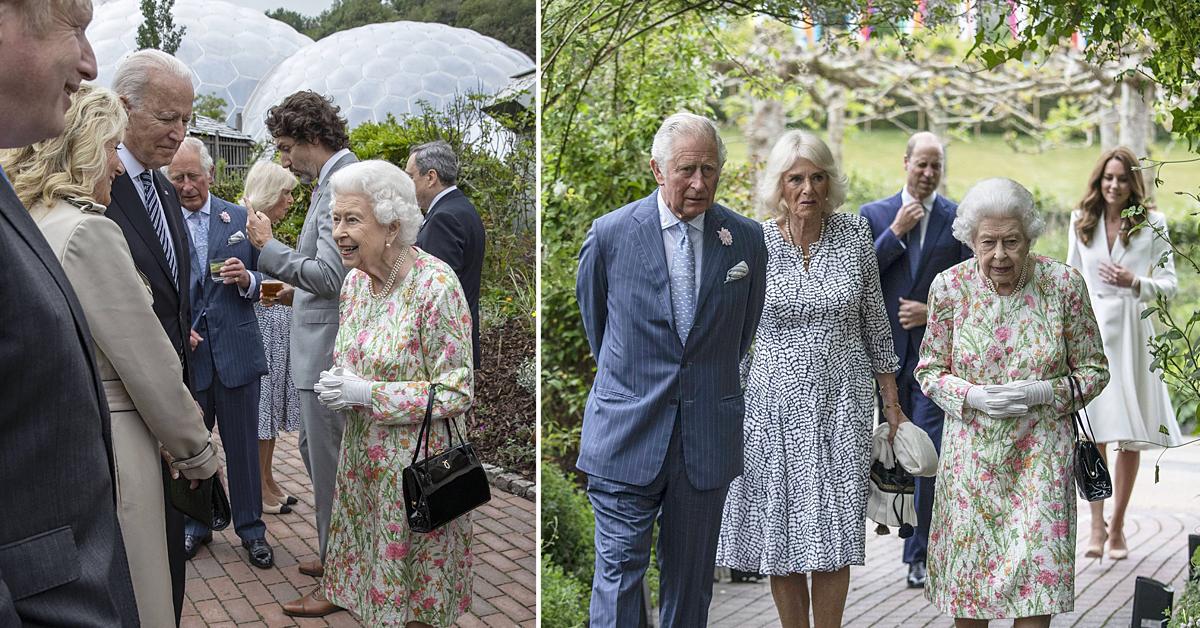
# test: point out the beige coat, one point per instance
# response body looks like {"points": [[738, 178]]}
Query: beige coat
{"points": [[143, 381]]}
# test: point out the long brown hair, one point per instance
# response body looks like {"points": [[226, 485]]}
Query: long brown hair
{"points": [[1093, 205]]}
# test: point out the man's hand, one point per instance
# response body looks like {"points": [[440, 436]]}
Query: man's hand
{"points": [[234, 271], [912, 314], [194, 339], [283, 296], [259, 228], [907, 218]]}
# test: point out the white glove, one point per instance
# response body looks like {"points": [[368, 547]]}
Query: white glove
{"points": [[997, 401], [1037, 392], [340, 388]]}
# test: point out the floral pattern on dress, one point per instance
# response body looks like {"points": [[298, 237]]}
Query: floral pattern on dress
{"points": [[420, 333], [1002, 540]]}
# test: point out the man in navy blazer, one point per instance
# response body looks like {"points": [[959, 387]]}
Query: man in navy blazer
{"points": [[914, 242], [671, 289], [228, 362], [452, 230]]}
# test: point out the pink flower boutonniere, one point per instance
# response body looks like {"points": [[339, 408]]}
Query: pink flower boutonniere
{"points": [[224, 217], [725, 237]]}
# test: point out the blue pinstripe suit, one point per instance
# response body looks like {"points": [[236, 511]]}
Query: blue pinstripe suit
{"points": [[228, 365], [662, 429]]}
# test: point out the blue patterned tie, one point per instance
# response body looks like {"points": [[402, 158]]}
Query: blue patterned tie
{"points": [[155, 210], [914, 250], [199, 225], [683, 283]]}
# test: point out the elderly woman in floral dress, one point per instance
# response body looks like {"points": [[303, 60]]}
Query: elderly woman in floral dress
{"points": [[1007, 332], [404, 326]]}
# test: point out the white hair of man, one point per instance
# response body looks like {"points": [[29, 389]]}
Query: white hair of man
{"points": [[997, 198], [680, 124], [791, 147], [137, 69], [390, 191], [195, 144]]}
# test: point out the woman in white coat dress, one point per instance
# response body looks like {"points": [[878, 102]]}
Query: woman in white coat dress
{"points": [[1123, 278]]}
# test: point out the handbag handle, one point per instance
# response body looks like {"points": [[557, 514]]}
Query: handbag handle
{"points": [[1079, 424], [426, 424]]}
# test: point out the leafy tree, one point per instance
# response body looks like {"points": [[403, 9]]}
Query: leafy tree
{"points": [[210, 106], [511, 22], [302, 23], [347, 14], [158, 28]]}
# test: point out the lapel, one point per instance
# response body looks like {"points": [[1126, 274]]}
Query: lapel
{"points": [[939, 219], [218, 233], [648, 235], [129, 203], [716, 257], [1118, 249]]}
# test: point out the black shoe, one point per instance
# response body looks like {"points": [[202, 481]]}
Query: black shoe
{"points": [[916, 574], [261, 555], [192, 543]]}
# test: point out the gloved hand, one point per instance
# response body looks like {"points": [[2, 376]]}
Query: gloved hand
{"points": [[1037, 392], [997, 401], [340, 388]]}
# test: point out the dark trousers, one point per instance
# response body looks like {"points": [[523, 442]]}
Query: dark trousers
{"points": [[689, 522], [924, 413], [176, 562], [235, 411]]}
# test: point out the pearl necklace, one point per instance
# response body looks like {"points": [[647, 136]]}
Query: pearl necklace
{"points": [[805, 253], [1020, 285], [387, 287]]}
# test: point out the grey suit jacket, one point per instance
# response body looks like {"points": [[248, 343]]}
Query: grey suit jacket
{"points": [[315, 269], [62, 561], [646, 379]]}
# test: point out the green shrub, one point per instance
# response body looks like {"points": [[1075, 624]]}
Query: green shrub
{"points": [[1186, 611], [567, 525], [564, 599]]}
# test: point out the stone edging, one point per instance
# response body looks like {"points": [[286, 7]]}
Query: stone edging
{"points": [[510, 482]]}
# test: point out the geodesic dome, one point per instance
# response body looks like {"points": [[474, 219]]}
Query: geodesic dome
{"points": [[229, 48], [377, 69]]}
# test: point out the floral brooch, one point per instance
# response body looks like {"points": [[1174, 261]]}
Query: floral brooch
{"points": [[224, 217], [725, 237]]}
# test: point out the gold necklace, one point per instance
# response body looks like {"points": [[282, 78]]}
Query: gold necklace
{"points": [[387, 287]]}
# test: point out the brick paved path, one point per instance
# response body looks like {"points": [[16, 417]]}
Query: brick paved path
{"points": [[223, 589], [1159, 520]]}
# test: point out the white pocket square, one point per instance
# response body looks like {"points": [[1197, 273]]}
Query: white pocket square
{"points": [[737, 272], [235, 238]]}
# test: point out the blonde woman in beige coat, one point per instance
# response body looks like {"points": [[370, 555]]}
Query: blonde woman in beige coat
{"points": [[65, 183]]}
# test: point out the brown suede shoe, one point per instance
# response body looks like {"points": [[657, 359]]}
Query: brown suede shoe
{"points": [[312, 605], [313, 568]]}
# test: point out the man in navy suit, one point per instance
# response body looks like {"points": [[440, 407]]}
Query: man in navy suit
{"points": [[452, 230], [914, 242], [228, 361], [671, 289]]}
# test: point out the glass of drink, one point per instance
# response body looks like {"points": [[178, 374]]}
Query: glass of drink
{"points": [[271, 288], [214, 269]]}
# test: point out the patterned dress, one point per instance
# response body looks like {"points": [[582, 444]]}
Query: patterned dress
{"points": [[1002, 541], [279, 403], [801, 503], [420, 332]]}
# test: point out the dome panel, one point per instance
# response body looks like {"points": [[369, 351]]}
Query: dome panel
{"points": [[377, 69], [229, 48]]}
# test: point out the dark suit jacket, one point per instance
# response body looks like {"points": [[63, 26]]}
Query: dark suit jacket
{"points": [[62, 561], [940, 251], [453, 233], [232, 349], [643, 373], [172, 306]]}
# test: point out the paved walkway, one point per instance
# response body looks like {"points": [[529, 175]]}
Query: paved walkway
{"points": [[1159, 520], [223, 589]]}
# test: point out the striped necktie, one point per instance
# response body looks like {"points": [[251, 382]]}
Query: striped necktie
{"points": [[159, 220]]}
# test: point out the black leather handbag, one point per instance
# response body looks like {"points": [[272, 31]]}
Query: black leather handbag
{"points": [[439, 489], [1091, 474], [207, 503]]}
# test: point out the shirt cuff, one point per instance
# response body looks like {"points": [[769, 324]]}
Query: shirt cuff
{"points": [[248, 293]]}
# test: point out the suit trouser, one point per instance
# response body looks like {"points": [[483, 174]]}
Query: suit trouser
{"points": [[320, 446], [235, 411], [925, 414], [689, 523]]}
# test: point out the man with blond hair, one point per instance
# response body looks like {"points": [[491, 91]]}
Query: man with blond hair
{"points": [[62, 562]]}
